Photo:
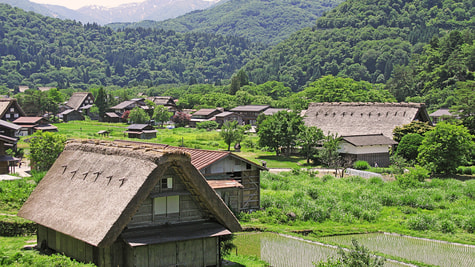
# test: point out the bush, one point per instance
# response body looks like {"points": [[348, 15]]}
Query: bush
{"points": [[407, 147], [420, 222], [447, 226], [467, 170], [327, 177], [470, 225], [413, 178], [207, 125], [361, 165]]}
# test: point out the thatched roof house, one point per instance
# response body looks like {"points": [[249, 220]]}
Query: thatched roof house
{"points": [[249, 113], [347, 119], [81, 101], [122, 205], [141, 131], [10, 109]]}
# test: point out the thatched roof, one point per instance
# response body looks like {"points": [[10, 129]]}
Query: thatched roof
{"points": [[347, 119], [441, 112], [94, 188], [7, 103], [9, 125], [76, 100]]}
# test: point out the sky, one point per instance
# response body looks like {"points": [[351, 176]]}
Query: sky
{"points": [[76, 4]]}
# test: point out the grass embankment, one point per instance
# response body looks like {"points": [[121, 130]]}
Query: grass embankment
{"points": [[322, 206]]}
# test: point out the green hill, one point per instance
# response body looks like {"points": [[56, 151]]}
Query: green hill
{"points": [[362, 40], [265, 21], [41, 51]]}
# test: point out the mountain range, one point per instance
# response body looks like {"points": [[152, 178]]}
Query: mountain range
{"points": [[148, 10]]}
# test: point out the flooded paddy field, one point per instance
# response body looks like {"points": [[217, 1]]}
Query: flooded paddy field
{"points": [[282, 251]]}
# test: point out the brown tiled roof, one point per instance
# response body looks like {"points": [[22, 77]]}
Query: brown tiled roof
{"points": [[28, 120]]}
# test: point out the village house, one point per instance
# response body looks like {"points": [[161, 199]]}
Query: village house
{"points": [[441, 114], [71, 115], [141, 131], [166, 101], [6, 161], [12, 131], [29, 125], [81, 101], [128, 105], [10, 110], [221, 118], [249, 113], [235, 179], [366, 128], [204, 114], [111, 117], [372, 148], [121, 205]]}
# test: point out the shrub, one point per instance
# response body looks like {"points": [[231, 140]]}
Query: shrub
{"points": [[361, 165], [413, 178], [376, 180], [327, 177], [407, 147], [447, 226], [460, 169], [420, 222], [313, 193], [207, 125], [470, 224], [467, 170]]}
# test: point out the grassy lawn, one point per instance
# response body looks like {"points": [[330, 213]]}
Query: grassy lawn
{"points": [[188, 137]]}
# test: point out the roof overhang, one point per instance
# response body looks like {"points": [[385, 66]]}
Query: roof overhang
{"points": [[173, 233]]}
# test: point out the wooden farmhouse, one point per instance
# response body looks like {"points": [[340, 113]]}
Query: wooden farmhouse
{"points": [[6, 142], [235, 179], [249, 113], [29, 125], [141, 131], [372, 148], [221, 118], [81, 101], [441, 115], [129, 105], [366, 128], [204, 114], [10, 110], [71, 115], [121, 205]]}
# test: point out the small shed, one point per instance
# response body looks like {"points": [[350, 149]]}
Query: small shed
{"points": [[141, 131], [221, 118], [372, 148], [112, 117], [121, 205], [71, 115]]}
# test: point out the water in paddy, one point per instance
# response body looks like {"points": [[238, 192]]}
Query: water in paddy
{"points": [[280, 251], [416, 249]]}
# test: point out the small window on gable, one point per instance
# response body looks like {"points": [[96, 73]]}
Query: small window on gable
{"points": [[7, 115], [15, 115], [167, 183], [12, 109], [248, 166]]}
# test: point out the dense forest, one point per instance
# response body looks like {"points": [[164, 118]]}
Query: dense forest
{"points": [[264, 21], [42, 51], [362, 40]]}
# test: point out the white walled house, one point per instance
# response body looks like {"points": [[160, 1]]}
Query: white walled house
{"points": [[372, 148]]}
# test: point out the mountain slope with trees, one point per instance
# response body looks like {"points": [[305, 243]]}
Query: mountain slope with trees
{"points": [[362, 40], [262, 21], [42, 51]]}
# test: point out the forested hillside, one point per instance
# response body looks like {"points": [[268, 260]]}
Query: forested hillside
{"points": [[265, 21], [362, 40], [42, 51]]}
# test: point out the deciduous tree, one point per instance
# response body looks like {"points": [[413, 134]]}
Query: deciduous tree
{"points": [[45, 148]]}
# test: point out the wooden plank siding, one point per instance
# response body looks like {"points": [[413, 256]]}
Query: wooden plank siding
{"points": [[189, 211], [197, 252]]}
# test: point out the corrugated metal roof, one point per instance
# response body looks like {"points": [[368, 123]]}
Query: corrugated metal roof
{"points": [[199, 158], [216, 184], [9, 125], [28, 120]]}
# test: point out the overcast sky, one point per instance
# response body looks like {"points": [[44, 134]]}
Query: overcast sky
{"points": [[76, 4]]}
